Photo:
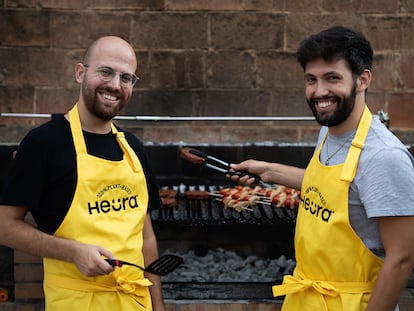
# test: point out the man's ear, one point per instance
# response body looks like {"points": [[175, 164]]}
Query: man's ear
{"points": [[79, 72], [363, 81]]}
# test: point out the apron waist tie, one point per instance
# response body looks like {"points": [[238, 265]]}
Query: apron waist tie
{"points": [[137, 289], [292, 284]]}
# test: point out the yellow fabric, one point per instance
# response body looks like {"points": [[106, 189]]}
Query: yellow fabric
{"points": [[108, 209], [341, 279]]}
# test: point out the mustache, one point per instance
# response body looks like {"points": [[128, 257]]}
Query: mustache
{"points": [[327, 97]]}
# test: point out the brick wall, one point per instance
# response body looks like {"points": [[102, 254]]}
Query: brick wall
{"points": [[200, 58], [196, 58]]}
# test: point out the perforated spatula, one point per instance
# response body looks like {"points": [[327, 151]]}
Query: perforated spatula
{"points": [[162, 266]]}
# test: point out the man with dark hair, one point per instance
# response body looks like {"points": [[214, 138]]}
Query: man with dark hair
{"points": [[89, 187], [354, 238]]}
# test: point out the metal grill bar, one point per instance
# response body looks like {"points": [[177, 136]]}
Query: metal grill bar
{"points": [[170, 118]]}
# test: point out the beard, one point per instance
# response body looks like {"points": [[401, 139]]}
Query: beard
{"points": [[95, 107], [344, 107]]}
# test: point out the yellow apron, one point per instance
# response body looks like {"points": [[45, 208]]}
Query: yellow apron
{"points": [[108, 209], [335, 271]]}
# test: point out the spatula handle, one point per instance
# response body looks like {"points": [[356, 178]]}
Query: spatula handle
{"points": [[114, 262]]}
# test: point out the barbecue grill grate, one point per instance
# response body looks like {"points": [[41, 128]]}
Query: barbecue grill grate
{"points": [[210, 211]]}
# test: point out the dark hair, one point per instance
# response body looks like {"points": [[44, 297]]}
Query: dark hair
{"points": [[337, 43]]}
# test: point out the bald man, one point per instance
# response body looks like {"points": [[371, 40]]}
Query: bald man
{"points": [[89, 186]]}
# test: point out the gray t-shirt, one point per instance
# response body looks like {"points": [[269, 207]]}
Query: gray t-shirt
{"points": [[383, 184]]}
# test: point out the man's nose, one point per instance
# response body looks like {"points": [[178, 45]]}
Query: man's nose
{"points": [[321, 89], [115, 82]]}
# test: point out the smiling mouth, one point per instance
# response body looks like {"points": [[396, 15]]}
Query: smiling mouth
{"points": [[109, 97], [324, 103]]}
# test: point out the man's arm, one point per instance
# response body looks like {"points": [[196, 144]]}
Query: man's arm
{"points": [[150, 251], [277, 173], [18, 234], [397, 234]]}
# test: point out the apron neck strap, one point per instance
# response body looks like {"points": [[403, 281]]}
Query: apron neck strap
{"points": [[76, 129], [129, 153], [351, 162]]}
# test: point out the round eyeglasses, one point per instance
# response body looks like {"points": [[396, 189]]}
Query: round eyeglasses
{"points": [[106, 74]]}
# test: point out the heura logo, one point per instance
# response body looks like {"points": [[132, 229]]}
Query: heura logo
{"points": [[316, 209], [116, 204]]}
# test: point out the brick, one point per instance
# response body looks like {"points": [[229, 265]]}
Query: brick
{"points": [[384, 72], [19, 306], [266, 5], [162, 103], [233, 307], [275, 306], [162, 70], [48, 4], [247, 31], [390, 32], [366, 6], [26, 273], [172, 31], [231, 69], [28, 291], [55, 100], [24, 28], [232, 103], [277, 70], [37, 67], [17, 100], [401, 110], [376, 101], [89, 27], [127, 4], [296, 6], [313, 23], [93, 4], [23, 257], [379, 6], [407, 5], [289, 102], [214, 5], [170, 307], [199, 307], [406, 71]]}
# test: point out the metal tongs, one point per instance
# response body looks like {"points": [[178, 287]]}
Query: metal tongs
{"points": [[224, 167]]}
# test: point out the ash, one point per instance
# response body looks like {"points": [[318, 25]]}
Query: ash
{"points": [[219, 265]]}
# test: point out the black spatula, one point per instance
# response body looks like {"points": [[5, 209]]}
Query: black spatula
{"points": [[162, 266]]}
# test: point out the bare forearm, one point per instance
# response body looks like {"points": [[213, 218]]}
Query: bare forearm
{"points": [[20, 235], [150, 251], [16, 233], [391, 281], [286, 175]]}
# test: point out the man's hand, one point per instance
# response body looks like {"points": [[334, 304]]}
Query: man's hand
{"points": [[90, 262]]}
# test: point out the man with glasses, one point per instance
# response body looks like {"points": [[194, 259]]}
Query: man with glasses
{"points": [[89, 187]]}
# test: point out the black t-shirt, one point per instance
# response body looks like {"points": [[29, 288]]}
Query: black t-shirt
{"points": [[43, 175]]}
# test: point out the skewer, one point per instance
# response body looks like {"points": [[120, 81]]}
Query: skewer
{"points": [[220, 196], [243, 208]]}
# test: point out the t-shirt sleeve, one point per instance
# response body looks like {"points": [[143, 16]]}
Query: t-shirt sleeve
{"points": [[24, 181], [387, 184]]}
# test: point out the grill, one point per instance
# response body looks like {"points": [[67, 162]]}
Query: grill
{"points": [[211, 211], [200, 227]]}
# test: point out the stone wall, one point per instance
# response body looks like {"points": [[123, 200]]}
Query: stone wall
{"points": [[199, 58]]}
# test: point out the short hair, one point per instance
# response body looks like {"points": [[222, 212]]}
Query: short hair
{"points": [[337, 43]]}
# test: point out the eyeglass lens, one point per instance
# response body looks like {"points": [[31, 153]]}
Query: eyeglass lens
{"points": [[107, 74]]}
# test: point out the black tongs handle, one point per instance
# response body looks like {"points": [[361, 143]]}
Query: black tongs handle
{"points": [[224, 167]]}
